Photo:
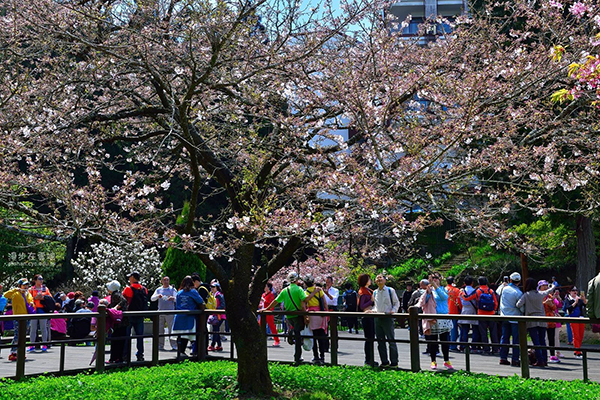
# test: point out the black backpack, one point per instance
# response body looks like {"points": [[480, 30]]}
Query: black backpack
{"points": [[351, 301], [139, 301], [48, 304]]}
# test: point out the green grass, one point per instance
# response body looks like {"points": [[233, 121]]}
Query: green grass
{"points": [[214, 380]]}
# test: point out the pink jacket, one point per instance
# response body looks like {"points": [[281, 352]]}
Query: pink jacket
{"points": [[429, 307]]}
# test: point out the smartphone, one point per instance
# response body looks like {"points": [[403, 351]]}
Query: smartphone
{"points": [[582, 294], [506, 279]]}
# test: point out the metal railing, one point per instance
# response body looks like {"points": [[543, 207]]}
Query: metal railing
{"points": [[413, 318]]}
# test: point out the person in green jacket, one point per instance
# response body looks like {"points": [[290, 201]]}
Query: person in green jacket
{"points": [[22, 303], [593, 298]]}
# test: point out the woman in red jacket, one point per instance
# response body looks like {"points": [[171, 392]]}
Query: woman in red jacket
{"points": [[267, 298]]}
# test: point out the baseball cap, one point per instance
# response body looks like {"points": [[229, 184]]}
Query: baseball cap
{"points": [[515, 276], [542, 283], [23, 281], [292, 277], [135, 274], [113, 286]]}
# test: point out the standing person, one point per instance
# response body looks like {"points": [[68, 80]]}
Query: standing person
{"points": [[165, 295], [487, 304], [593, 303], [350, 303], [22, 303], [559, 305], [550, 311], [405, 299], [435, 301], [386, 301], [365, 304], [294, 299], [119, 330], [331, 294], [414, 299], [508, 306], [184, 326], [137, 300], [316, 324], [3, 303], [454, 307], [468, 308], [267, 298], [38, 291], [94, 298], [532, 302], [215, 345], [574, 306]]}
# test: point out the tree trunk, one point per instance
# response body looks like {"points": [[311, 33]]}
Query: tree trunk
{"points": [[586, 252], [253, 371]]}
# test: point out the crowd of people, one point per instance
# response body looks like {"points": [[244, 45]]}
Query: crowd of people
{"points": [[34, 297], [472, 297]]}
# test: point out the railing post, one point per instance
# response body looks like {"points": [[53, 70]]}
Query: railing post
{"points": [[585, 366], [201, 336], [21, 349], [155, 338], [101, 338], [61, 365], [413, 323], [333, 325], [523, 349], [263, 325], [468, 357]]}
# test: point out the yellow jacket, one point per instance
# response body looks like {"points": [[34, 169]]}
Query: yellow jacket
{"points": [[18, 301]]}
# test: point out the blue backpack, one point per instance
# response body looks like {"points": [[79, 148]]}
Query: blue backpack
{"points": [[486, 301]]}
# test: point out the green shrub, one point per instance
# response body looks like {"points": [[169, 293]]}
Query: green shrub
{"points": [[217, 379]]}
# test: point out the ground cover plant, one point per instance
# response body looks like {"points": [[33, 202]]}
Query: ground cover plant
{"points": [[211, 380]]}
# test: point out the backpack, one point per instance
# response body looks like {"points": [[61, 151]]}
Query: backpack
{"points": [[486, 301], [48, 304], [211, 302], [351, 300], [139, 301]]}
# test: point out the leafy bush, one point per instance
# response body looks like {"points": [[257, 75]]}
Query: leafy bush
{"points": [[216, 379], [417, 268]]}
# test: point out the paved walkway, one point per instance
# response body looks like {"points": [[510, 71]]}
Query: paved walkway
{"points": [[350, 353]]}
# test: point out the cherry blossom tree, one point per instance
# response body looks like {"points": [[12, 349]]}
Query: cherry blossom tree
{"points": [[250, 101]]}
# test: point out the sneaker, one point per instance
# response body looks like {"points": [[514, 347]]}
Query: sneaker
{"points": [[560, 355], [433, 365], [275, 345], [210, 348], [140, 358], [554, 359], [218, 348], [44, 349], [448, 365], [12, 357], [579, 356], [31, 349], [385, 364], [504, 362]]}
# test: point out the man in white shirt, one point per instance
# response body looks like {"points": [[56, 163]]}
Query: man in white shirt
{"points": [[166, 295], [331, 295], [386, 301]]}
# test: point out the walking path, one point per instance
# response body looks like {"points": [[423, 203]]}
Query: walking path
{"points": [[350, 353]]}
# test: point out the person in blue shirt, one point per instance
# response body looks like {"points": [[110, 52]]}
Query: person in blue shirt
{"points": [[3, 302], [510, 294], [185, 325]]}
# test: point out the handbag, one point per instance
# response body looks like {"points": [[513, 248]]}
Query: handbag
{"points": [[30, 308], [213, 319], [307, 342]]}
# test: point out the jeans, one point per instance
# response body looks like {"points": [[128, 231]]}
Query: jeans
{"points": [[298, 325], [464, 333], [509, 330], [454, 334], [13, 350], [43, 324], [368, 325], [538, 337], [137, 325], [483, 331], [569, 334], [216, 337], [384, 329]]}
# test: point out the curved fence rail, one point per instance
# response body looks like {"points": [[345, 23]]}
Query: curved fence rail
{"points": [[202, 333]]}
